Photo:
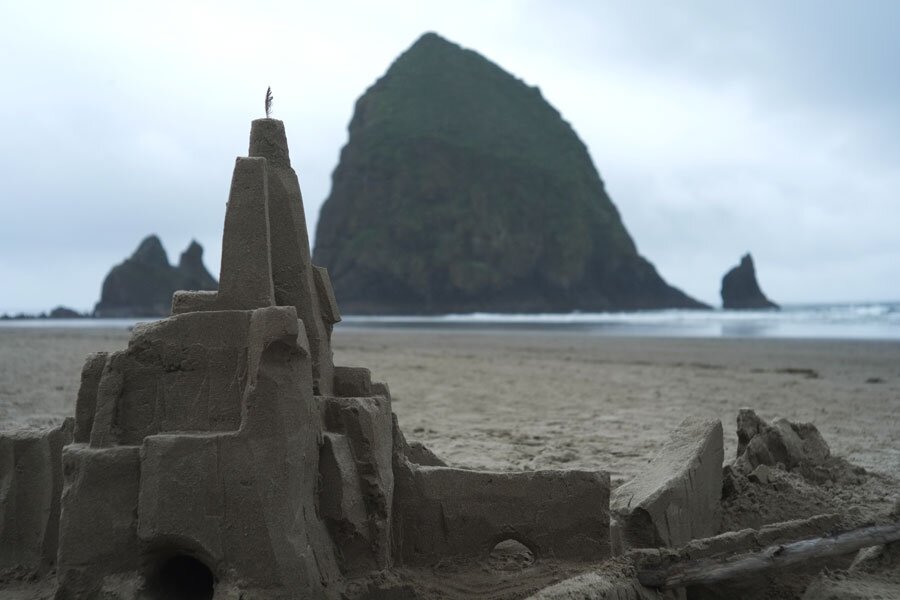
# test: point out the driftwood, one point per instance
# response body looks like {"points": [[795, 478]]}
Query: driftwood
{"points": [[712, 570]]}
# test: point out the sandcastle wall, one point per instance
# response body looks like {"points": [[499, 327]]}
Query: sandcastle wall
{"points": [[31, 482]]}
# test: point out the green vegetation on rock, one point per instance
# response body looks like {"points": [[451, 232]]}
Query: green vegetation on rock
{"points": [[461, 189]]}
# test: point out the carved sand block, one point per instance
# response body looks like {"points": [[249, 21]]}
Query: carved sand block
{"points": [[676, 497]]}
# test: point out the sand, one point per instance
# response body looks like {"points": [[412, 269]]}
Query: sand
{"points": [[508, 400], [529, 400]]}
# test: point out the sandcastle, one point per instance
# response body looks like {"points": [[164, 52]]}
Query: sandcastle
{"points": [[223, 455], [223, 450]]}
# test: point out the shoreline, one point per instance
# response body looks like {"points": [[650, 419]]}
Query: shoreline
{"points": [[848, 321]]}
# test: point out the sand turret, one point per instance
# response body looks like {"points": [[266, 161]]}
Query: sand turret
{"points": [[200, 441], [284, 265]]}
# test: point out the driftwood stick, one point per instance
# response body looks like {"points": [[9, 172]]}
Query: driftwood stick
{"points": [[712, 570]]}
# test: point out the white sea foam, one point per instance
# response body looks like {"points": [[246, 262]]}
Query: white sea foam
{"points": [[861, 320], [875, 320]]}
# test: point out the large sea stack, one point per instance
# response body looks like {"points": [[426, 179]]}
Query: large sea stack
{"points": [[143, 284], [740, 290], [462, 189]]}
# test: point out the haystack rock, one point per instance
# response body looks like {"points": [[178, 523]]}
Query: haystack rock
{"points": [[142, 285], [223, 455], [462, 189], [740, 290]]}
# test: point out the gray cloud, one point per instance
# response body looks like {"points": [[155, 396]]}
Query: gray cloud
{"points": [[718, 127]]}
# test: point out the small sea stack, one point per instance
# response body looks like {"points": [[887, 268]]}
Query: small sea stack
{"points": [[142, 285], [740, 290]]}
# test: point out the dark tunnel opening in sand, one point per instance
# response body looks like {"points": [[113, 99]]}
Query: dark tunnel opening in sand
{"points": [[180, 577]]}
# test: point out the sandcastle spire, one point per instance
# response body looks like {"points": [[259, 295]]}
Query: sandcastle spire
{"points": [[297, 282], [265, 248], [246, 274]]}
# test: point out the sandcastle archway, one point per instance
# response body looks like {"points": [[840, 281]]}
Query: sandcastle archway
{"points": [[180, 577], [510, 554]]}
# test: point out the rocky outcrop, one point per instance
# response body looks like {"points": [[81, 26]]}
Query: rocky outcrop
{"points": [[60, 312], [64, 312], [462, 189], [740, 289], [142, 285]]}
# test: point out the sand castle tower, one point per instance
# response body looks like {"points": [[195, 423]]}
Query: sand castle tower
{"points": [[196, 448], [223, 455]]}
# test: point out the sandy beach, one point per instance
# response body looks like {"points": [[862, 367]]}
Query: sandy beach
{"points": [[538, 399], [507, 400]]}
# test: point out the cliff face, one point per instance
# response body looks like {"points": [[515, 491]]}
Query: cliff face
{"points": [[142, 285], [740, 290], [461, 189]]}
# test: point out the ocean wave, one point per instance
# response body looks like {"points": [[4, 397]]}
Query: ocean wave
{"points": [[848, 321], [835, 313], [872, 320]]}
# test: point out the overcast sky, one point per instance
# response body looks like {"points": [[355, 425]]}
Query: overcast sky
{"points": [[719, 127]]}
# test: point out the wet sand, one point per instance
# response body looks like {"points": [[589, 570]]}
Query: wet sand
{"points": [[529, 400]]}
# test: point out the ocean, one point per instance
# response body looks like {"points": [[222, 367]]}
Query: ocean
{"points": [[864, 321]]}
